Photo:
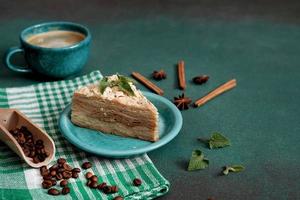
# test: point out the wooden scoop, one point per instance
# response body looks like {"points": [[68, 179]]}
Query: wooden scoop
{"points": [[11, 119]]}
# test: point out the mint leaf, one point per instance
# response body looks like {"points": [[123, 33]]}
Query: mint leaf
{"points": [[125, 86], [103, 84], [122, 83], [233, 168], [197, 161], [217, 140]]}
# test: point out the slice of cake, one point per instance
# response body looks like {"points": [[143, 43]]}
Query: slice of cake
{"points": [[115, 106]]}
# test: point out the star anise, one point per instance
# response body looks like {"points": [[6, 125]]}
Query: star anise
{"points": [[200, 79], [159, 75], [182, 102]]}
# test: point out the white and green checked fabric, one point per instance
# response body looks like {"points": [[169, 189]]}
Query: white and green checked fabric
{"points": [[43, 104]]}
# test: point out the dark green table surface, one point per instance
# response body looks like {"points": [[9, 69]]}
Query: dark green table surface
{"points": [[256, 42]]}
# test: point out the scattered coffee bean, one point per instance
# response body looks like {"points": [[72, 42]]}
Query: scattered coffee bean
{"points": [[52, 173], [47, 177], [67, 167], [65, 190], [88, 175], [59, 176], [43, 170], [46, 184], [137, 182], [107, 189], [88, 183], [60, 170], [86, 165], [61, 161], [94, 178], [63, 183], [53, 167], [77, 170], [101, 186], [53, 191], [118, 198], [54, 182], [67, 174], [114, 189], [93, 184], [74, 175]]}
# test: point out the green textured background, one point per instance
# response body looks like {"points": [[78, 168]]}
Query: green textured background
{"points": [[256, 42]]}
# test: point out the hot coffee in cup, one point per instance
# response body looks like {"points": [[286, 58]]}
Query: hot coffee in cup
{"points": [[55, 49], [56, 39]]}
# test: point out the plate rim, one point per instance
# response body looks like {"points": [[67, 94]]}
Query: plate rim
{"points": [[171, 134]]}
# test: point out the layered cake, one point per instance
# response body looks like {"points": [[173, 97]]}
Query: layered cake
{"points": [[115, 106]]}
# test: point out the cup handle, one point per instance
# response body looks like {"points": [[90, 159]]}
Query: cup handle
{"points": [[9, 65]]}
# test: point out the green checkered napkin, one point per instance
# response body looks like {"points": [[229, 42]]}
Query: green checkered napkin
{"points": [[43, 104]]}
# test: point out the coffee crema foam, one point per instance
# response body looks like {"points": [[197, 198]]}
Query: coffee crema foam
{"points": [[56, 39]]}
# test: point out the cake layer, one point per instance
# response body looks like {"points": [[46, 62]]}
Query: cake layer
{"points": [[113, 112], [115, 128]]}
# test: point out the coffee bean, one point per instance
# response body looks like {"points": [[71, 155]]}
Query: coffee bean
{"points": [[39, 142], [65, 190], [88, 183], [46, 184], [60, 170], [88, 175], [26, 152], [114, 189], [94, 178], [93, 184], [106, 189], [32, 153], [118, 198], [36, 159], [53, 167], [54, 182], [74, 175], [86, 165], [67, 167], [53, 191], [41, 157], [101, 186], [137, 182], [47, 177], [53, 173], [59, 176], [67, 174], [61, 161], [63, 183], [44, 171], [77, 170]]}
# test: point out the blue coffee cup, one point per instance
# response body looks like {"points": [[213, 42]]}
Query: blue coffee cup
{"points": [[56, 62]]}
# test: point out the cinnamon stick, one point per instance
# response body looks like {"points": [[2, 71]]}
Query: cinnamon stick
{"points": [[181, 74], [147, 83], [219, 90]]}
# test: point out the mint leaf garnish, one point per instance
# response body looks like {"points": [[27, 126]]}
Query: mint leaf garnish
{"points": [[197, 161], [217, 140], [233, 168], [103, 84], [122, 83]]}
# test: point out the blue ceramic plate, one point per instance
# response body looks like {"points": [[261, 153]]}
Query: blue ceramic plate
{"points": [[170, 122]]}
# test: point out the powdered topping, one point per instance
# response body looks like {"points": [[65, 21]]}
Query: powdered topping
{"points": [[114, 93]]}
